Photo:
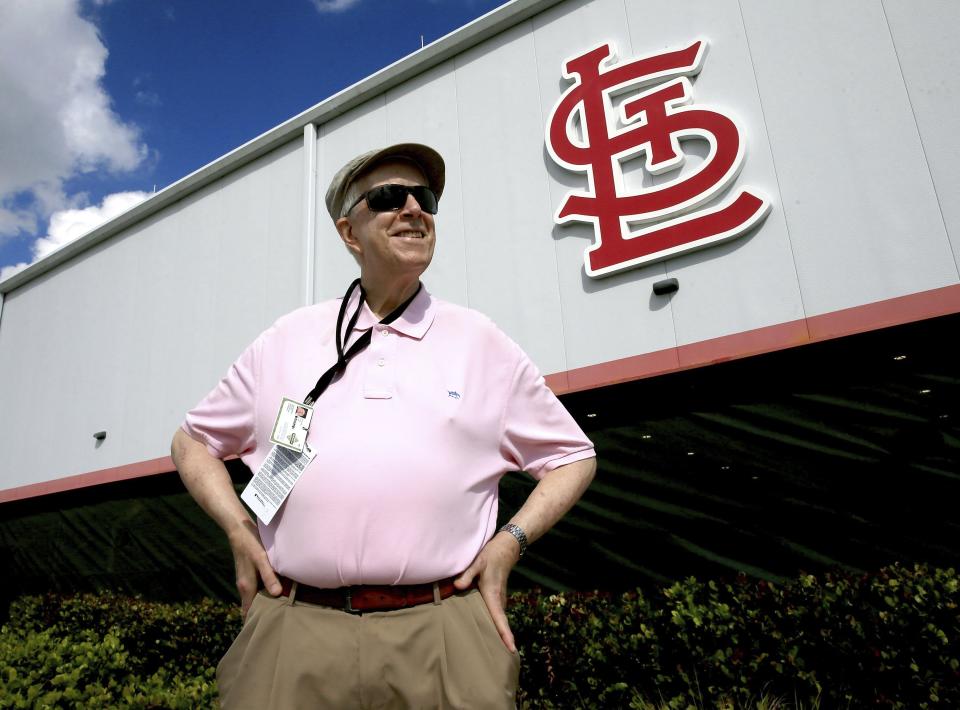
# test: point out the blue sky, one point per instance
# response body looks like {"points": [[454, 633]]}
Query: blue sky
{"points": [[103, 100]]}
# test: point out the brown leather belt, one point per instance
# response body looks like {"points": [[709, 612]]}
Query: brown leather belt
{"points": [[369, 597]]}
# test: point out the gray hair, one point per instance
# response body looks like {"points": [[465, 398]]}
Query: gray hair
{"points": [[351, 196]]}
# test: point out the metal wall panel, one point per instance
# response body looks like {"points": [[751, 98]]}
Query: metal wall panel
{"points": [[926, 44], [339, 140], [129, 335], [617, 316], [424, 110], [760, 71], [511, 261], [856, 191], [751, 281], [488, 252]]}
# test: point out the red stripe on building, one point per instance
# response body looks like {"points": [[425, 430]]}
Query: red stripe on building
{"points": [[873, 316]]}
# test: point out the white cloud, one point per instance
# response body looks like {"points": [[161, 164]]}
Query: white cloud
{"points": [[70, 224], [56, 118], [334, 5], [13, 221], [7, 271]]}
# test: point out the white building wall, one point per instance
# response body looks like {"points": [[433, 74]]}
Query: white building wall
{"points": [[831, 140], [750, 282], [129, 335], [617, 316], [848, 113], [855, 186], [926, 48]]}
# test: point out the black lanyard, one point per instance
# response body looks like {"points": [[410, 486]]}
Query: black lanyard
{"points": [[362, 342]]}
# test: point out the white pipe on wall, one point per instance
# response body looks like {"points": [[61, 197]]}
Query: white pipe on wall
{"points": [[310, 210]]}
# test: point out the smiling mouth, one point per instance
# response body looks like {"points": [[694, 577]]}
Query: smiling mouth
{"points": [[411, 234]]}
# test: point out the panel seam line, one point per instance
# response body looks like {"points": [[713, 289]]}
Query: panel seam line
{"points": [[923, 147], [556, 258], [773, 163]]}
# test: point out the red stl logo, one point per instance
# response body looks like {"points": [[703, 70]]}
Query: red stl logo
{"points": [[653, 122]]}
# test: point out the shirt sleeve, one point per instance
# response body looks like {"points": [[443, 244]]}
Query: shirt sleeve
{"points": [[225, 420], [539, 434]]}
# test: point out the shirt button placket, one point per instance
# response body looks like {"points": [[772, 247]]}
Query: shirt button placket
{"points": [[379, 378]]}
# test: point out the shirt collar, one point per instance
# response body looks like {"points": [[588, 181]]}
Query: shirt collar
{"points": [[413, 322]]}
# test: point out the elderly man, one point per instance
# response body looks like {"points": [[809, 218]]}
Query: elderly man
{"points": [[383, 578]]}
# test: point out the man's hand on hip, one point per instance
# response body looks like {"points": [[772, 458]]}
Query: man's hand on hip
{"points": [[207, 479], [251, 564], [553, 496], [491, 568]]}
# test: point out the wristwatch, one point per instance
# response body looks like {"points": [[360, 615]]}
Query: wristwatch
{"points": [[518, 533]]}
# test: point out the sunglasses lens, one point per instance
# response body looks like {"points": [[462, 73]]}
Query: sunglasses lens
{"points": [[426, 198], [388, 198]]}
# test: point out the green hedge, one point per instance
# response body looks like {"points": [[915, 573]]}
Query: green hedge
{"points": [[188, 636], [112, 651], [891, 639], [44, 669]]}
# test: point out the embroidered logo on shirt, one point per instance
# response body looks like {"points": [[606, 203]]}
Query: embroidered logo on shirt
{"points": [[451, 393]]}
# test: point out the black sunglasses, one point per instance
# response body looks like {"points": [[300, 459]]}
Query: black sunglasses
{"points": [[392, 197]]}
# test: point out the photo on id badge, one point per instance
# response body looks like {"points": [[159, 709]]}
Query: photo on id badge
{"points": [[292, 425]]}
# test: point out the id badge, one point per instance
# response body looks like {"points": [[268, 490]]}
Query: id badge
{"points": [[274, 480], [292, 425]]}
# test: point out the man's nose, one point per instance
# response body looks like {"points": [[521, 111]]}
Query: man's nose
{"points": [[411, 206]]}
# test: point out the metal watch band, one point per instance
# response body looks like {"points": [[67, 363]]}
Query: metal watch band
{"points": [[518, 533]]}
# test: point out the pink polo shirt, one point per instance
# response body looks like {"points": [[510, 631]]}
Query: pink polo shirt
{"points": [[411, 441]]}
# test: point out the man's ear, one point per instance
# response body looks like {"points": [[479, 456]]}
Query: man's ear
{"points": [[345, 230]]}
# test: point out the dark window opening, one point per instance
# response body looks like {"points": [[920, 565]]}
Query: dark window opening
{"points": [[841, 453]]}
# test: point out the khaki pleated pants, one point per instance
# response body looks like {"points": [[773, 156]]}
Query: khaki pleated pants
{"points": [[297, 655]]}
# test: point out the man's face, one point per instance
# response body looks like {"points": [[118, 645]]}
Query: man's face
{"points": [[390, 244]]}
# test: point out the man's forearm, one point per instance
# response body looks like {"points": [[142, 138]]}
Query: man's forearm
{"points": [[208, 481], [553, 496]]}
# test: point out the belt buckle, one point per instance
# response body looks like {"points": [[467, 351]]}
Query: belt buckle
{"points": [[348, 603]]}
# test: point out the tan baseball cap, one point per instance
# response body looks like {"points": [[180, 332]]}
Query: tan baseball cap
{"points": [[426, 158]]}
